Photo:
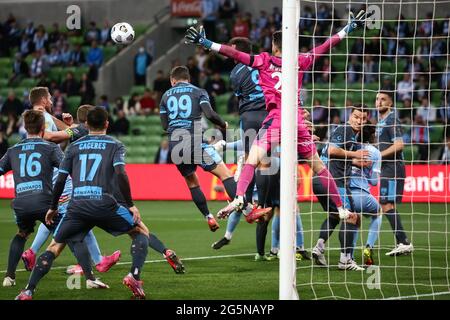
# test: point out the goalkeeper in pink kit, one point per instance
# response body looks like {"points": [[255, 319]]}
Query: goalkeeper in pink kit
{"points": [[270, 68]]}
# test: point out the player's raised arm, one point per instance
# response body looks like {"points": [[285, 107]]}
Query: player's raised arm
{"points": [[354, 23], [194, 36]]}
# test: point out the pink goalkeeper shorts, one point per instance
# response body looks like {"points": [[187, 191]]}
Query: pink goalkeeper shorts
{"points": [[270, 133]]}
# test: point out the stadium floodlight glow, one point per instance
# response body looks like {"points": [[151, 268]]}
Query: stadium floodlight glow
{"points": [[288, 192]]}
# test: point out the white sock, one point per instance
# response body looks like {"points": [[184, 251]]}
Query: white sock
{"points": [[228, 235], [321, 243], [343, 257], [209, 216], [247, 209], [274, 250]]}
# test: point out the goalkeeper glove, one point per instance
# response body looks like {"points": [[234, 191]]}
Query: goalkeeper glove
{"points": [[358, 21], [193, 36]]}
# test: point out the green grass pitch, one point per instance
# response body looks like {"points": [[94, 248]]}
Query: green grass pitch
{"points": [[232, 273]]}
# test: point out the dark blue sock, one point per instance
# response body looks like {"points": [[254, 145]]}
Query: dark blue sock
{"points": [[397, 226], [81, 252], [328, 226], [156, 244], [230, 187], [200, 200], [43, 266], [15, 252], [346, 235], [139, 250]]}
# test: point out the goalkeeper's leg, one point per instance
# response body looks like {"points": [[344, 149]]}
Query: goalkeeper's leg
{"points": [[307, 150]]}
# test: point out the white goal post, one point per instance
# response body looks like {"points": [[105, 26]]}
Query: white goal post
{"points": [[288, 192]]}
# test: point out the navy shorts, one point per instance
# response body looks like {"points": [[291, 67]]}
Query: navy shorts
{"points": [[391, 190], [26, 221], [272, 196], [76, 224], [205, 156], [251, 122]]}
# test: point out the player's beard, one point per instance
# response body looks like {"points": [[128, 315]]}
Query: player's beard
{"points": [[48, 107], [382, 110]]}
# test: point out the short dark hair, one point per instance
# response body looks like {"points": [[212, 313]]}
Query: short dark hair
{"points": [[37, 93], [367, 134], [242, 44], [180, 73], [96, 118], [360, 107], [388, 93], [277, 38], [83, 111], [34, 121]]}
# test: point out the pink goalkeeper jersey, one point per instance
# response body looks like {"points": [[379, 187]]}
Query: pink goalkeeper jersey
{"points": [[270, 76], [270, 68]]}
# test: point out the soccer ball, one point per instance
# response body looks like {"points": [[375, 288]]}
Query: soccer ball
{"points": [[122, 33]]}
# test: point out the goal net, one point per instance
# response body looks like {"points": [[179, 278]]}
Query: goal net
{"points": [[404, 52]]}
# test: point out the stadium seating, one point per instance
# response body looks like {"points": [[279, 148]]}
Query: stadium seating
{"points": [[142, 147]]}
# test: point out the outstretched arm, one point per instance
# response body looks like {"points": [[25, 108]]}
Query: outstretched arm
{"points": [[354, 22], [194, 36]]}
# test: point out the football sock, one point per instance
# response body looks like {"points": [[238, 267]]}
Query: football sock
{"points": [[199, 199], [92, 245], [346, 235], [355, 242], [261, 232], [328, 225], [320, 244], [276, 231], [41, 236], [15, 252], [299, 231], [233, 221], [250, 190], [396, 225], [156, 244], [81, 252], [43, 265], [230, 187], [139, 250], [329, 184], [374, 230], [262, 185], [248, 171]]}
